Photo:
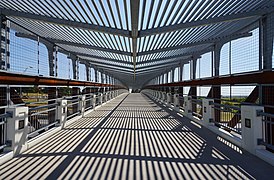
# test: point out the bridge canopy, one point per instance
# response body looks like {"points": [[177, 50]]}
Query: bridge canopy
{"points": [[135, 40]]}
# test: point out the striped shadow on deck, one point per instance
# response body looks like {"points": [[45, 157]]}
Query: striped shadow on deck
{"points": [[131, 137]]}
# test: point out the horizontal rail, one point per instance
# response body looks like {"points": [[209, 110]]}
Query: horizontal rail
{"points": [[23, 79], [3, 146], [42, 107], [261, 113], [266, 77], [41, 112], [270, 146], [41, 129], [5, 115], [226, 106]]}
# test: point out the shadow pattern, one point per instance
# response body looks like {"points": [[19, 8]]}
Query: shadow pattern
{"points": [[131, 137]]}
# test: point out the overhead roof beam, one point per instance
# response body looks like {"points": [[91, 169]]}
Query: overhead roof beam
{"points": [[206, 41], [106, 64], [163, 67], [64, 22], [58, 41], [114, 67], [164, 63], [108, 69], [205, 22], [134, 6], [183, 55], [101, 58]]}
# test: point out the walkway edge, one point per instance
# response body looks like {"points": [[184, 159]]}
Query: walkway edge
{"points": [[33, 142], [262, 153]]}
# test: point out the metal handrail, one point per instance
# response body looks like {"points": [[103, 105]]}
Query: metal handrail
{"points": [[42, 107], [262, 113], [226, 106], [5, 115]]}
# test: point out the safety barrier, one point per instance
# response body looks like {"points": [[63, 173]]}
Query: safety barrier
{"points": [[245, 125], [23, 123]]}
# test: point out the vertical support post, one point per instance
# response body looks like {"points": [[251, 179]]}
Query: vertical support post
{"points": [[93, 101], [104, 97], [17, 129], [62, 112], [1, 50], [95, 74], [167, 76], [55, 61], [216, 90], [208, 111], [74, 67], [87, 71], [176, 102], [193, 89], [267, 28], [4, 43], [52, 91], [168, 102], [82, 104], [75, 93], [251, 128], [50, 49], [188, 104], [102, 77], [100, 96], [180, 74], [172, 74], [52, 95]]}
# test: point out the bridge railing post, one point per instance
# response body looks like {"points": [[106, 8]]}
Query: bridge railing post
{"points": [[176, 102], [113, 94], [17, 129], [168, 100], [82, 104], [62, 112], [208, 111], [159, 95], [104, 97], [163, 99], [100, 96], [109, 95], [188, 104], [252, 127], [151, 94], [154, 94], [93, 101]]}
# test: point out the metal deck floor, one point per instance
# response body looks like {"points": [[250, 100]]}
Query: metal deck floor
{"points": [[132, 137]]}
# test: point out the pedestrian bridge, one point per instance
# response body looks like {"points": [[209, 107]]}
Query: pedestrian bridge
{"points": [[135, 137], [136, 89]]}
